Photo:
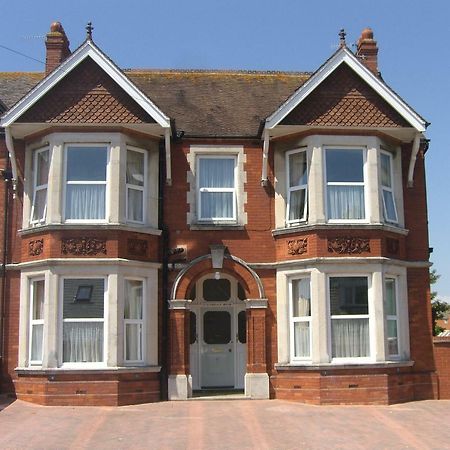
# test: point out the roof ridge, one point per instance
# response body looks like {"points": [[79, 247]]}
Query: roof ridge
{"points": [[218, 71]]}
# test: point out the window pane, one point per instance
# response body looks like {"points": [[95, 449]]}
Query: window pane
{"points": [[385, 170], [192, 327], [133, 299], [216, 172], [297, 201], [389, 205], [346, 202], [350, 338], [217, 327], [216, 205], [242, 327], [86, 163], [345, 165], [297, 169], [37, 333], [301, 339], [82, 342], [42, 168], [135, 168], [390, 304], [86, 202], [94, 308], [216, 290], [301, 298], [133, 339], [38, 300], [348, 295], [392, 337], [135, 205], [40, 201]]}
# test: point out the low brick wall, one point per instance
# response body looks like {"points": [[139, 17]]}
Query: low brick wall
{"points": [[442, 360]]}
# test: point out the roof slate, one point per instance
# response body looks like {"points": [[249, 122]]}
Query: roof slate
{"points": [[202, 103]]}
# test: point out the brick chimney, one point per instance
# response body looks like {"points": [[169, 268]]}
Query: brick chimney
{"points": [[57, 46], [367, 50]]}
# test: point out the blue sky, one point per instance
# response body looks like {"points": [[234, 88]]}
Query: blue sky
{"points": [[413, 37]]}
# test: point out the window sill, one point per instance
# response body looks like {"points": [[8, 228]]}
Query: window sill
{"points": [[91, 226], [80, 370], [342, 366], [340, 226], [217, 226]]}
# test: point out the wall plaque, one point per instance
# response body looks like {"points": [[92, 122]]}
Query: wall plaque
{"points": [[84, 246], [297, 246], [348, 245]]}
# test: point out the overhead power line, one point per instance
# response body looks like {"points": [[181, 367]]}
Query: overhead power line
{"points": [[21, 54]]}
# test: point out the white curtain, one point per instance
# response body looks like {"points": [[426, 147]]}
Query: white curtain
{"points": [[85, 201], [135, 168], [350, 338], [297, 204], [135, 205], [301, 339], [216, 173], [133, 315], [37, 333], [297, 169], [83, 342], [133, 339], [302, 298], [133, 300], [385, 170], [346, 202]]}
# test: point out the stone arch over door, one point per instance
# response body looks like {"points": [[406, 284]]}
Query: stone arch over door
{"points": [[256, 377]]}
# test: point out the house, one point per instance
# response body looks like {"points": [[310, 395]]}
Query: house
{"points": [[168, 231]]}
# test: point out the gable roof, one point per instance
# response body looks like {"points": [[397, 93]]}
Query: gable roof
{"points": [[87, 50], [345, 56]]}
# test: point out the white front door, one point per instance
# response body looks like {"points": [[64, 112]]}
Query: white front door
{"points": [[217, 348]]}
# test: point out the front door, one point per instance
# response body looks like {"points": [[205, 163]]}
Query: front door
{"points": [[217, 348]]}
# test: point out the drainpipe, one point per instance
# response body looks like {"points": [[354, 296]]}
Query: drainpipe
{"points": [[265, 159], [165, 269], [412, 161], [7, 177], [12, 157]]}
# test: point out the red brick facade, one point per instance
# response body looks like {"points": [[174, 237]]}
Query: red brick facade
{"points": [[256, 251]]}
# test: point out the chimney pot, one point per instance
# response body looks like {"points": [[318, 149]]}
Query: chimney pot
{"points": [[367, 50], [57, 46]]}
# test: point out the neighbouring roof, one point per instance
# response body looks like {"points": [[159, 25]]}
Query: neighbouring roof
{"points": [[202, 102]]}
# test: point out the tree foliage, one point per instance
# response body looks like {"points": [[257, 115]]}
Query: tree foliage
{"points": [[438, 307]]}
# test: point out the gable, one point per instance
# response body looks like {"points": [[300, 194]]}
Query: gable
{"points": [[345, 99], [86, 95]]}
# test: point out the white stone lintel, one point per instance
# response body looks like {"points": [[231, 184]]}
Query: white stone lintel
{"points": [[256, 303], [179, 303]]}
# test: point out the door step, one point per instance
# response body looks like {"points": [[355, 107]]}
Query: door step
{"points": [[219, 394]]}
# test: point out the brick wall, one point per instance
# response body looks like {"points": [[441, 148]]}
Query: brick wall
{"points": [[442, 360]]}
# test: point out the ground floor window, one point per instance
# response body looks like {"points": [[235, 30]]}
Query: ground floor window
{"points": [[300, 308], [134, 320], [36, 320]]}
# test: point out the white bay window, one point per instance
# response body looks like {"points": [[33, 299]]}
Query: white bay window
{"points": [[297, 190], [390, 305], [300, 323], [387, 188], [37, 296], [136, 181], [86, 182], [40, 184], [345, 184], [134, 321]]}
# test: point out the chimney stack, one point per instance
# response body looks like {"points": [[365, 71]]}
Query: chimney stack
{"points": [[367, 50], [57, 46]]}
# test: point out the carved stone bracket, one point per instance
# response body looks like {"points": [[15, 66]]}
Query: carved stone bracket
{"points": [[137, 247], [84, 246], [35, 247], [392, 246], [348, 245], [297, 246]]}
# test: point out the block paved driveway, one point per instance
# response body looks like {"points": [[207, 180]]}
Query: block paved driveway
{"points": [[227, 424]]}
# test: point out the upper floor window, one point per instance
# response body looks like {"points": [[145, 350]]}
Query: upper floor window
{"points": [[86, 182], [40, 181], [136, 184], [387, 188], [345, 184], [216, 188], [297, 170]]}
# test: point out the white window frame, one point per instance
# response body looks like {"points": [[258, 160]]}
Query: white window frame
{"points": [[212, 190], [363, 183], [293, 320], [89, 364], [135, 187], [33, 322], [389, 317], [106, 183], [41, 187], [141, 322], [359, 359], [290, 189], [388, 189]]}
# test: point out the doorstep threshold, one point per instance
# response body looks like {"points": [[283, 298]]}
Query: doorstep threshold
{"points": [[219, 394]]}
